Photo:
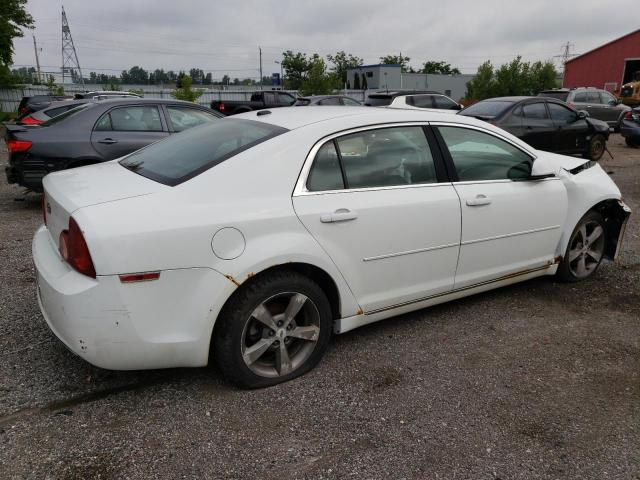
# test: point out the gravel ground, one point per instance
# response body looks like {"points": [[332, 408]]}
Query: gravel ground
{"points": [[537, 380]]}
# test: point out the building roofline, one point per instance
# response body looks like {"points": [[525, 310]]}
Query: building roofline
{"points": [[603, 45]]}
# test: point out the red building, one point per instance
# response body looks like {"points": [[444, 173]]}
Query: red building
{"points": [[608, 66]]}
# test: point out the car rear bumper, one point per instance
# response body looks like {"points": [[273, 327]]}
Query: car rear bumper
{"points": [[156, 324], [31, 179]]}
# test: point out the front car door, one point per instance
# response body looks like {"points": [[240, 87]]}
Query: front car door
{"points": [[510, 225], [611, 111], [571, 131], [123, 130], [378, 202]]}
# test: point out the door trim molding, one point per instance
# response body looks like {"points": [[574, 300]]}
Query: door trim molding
{"points": [[507, 235], [409, 252]]}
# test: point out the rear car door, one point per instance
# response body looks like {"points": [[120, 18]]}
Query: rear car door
{"points": [[378, 202], [537, 128], [125, 129], [610, 105], [510, 225], [595, 107]]}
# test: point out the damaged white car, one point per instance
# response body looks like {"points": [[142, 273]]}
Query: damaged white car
{"points": [[251, 240]]}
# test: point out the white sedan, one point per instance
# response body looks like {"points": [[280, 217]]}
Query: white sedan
{"points": [[251, 240]]}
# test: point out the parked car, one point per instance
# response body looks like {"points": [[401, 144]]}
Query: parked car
{"points": [[259, 101], [251, 239], [47, 113], [37, 102], [630, 127], [103, 94], [545, 124], [94, 132], [412, 99], [325, 100], [597, 103]]}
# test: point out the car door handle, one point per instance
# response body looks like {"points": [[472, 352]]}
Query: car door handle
{"points": [[107, 141], [340, 215], [480, 199]]}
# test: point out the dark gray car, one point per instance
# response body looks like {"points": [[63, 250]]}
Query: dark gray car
{"points": [[95, 132], [325, 100], [597, 103]]}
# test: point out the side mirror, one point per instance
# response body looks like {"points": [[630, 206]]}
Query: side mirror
{"points": [[460, 107], [582, 114]]}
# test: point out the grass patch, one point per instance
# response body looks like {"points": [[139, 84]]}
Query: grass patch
{"points": [[6, 116]]}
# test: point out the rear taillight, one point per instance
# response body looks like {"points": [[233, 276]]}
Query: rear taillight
{"points": [[44, 210], [31, 121], [221, 107], [73, 248], [15, 146], [628, 115]]}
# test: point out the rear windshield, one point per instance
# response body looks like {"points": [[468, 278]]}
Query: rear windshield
{"points": [[187, 154], [557, 95], [379, 100], [487, 109], [67, 114]]}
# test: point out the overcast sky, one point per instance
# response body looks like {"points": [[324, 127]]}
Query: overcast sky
{"points": [[223, 36]]}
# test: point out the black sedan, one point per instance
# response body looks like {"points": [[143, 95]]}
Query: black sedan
{"points": [[630, 127], [545, 124], [94, 132]]}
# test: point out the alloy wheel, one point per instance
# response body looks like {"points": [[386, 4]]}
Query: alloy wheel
{"points": [[586, 249], [280, 334]]}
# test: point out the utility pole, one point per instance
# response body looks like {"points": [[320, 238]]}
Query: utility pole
{"points": [[35, 49], [260, 50], [566, 54], [69, 55]]}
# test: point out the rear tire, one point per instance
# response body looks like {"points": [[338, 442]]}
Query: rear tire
{"points": [[630, 142], [597, 146], [585, 249], [274, 328]]}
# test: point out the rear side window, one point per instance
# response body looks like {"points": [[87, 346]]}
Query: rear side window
{"points": [[330, 101], [183, 118], [374, 158], [580, 97], [557, 95], [535, 111], [350, 101], [593, 97], [178, 158], [480, 156], [131, 119], [489, 109], [67, 114], [54, 112]]}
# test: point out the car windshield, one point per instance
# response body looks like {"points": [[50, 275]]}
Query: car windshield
{"points": [[187, 154], [379, 100], [66, 115], [487, 109], [557, 95]]}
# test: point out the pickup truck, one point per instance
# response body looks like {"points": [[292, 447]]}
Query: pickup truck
{"points": [[259, 100]]}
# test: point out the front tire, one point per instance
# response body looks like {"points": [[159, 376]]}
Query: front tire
{"points": [[585, 249], [274, 329], [597, 146]]}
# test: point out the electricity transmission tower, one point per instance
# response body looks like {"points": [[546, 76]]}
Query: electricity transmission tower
{"points": [[566, 54], [69, 55]]}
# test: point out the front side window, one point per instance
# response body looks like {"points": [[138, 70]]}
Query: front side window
{"points": [[593, 97], [269, 98], [421, 101], [444, 103], [480, 156], [183, 118], [350, 102], [535, 111], [580, 97], [561, 114], [608, 99], [285, 99], [131, 119], [181, 157]]}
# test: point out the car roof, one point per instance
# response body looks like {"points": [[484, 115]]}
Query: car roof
{"points": [[397, 93], [320, 97], [292, 117], [138, 100]]}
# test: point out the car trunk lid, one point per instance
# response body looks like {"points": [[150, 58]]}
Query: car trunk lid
{"points": [[69, 190]]}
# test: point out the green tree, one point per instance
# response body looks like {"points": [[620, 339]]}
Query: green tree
{"points": [[397, 60], [184, 92], [53, 88], [319, 81], [296, 67], [342, 62], [480, 87], [440, 67], [13, 17]]}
